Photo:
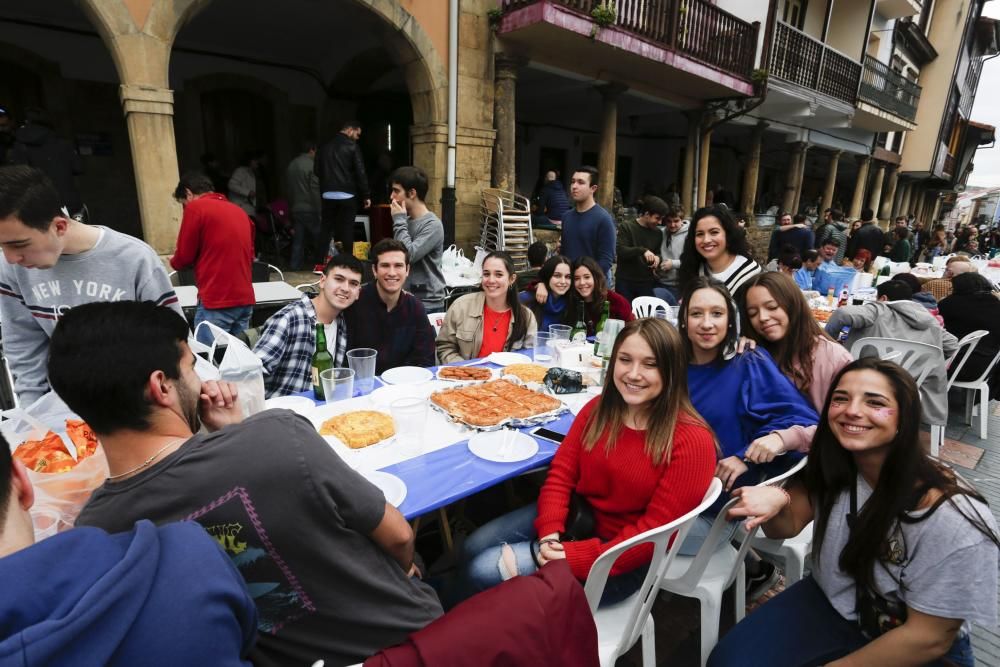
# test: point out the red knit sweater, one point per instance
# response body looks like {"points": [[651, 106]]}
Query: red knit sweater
{"points": [[629, 495]]}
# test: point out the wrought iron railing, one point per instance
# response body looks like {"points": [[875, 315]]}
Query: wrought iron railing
{"points": [[888, 89], [696, 28], [798, 58]]}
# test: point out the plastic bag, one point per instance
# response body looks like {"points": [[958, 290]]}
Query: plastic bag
{"points": [[240, 366], [59, 497]]}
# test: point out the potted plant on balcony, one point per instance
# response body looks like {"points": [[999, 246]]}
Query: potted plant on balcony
{"points": [[759, 79], [604, 15]]}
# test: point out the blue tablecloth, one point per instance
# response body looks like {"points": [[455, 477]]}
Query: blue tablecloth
{"points": [[441, 477]]}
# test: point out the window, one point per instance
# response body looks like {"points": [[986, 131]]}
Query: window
{"points": [[794, 13]]}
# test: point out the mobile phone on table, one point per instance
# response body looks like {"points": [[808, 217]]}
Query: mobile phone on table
{"points": [[548, 434]]}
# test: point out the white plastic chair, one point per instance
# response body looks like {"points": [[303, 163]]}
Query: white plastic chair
{"points": [[436, 320], [708, 574], [918, 359], [307, 288], [981, 385], [620, 625], [647, 306], [790, 552]]}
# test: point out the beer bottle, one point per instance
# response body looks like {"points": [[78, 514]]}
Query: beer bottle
{"points": [[321, 361], [599, 332], [579, 330]]}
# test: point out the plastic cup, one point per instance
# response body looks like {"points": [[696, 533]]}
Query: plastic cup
{"points": [[560, 331], [362, 361], [409, 416], [337, 383], [543, 348]]}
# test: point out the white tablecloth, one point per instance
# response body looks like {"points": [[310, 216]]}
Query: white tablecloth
{"points": [[270, 293]]}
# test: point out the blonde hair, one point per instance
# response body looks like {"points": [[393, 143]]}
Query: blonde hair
{"points": [[671, 407]]}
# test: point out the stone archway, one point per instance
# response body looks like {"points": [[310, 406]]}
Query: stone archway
{"points": [[140, 35]]}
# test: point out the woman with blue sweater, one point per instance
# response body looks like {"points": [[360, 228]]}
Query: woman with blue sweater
{"points": [[745, 398], [556, 275]]}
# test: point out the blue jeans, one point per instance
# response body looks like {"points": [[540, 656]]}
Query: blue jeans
{"points": [[233, 320], [666, 294], [483, 569], [307, 225], [800, 628]]}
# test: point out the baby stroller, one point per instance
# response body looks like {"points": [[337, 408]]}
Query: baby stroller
{"points": [[273, 224]]}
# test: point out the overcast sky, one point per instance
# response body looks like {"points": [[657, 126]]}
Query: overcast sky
{"points": [[987, 110]]}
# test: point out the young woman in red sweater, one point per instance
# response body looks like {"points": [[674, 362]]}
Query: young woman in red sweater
{"points": [[639, 455]]}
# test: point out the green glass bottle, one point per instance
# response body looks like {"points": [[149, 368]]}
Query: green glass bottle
{"points": [[605, 314], [579, 330], [321, 361]]}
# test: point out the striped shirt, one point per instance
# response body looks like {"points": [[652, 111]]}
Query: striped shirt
{"points": [[736, 274]]}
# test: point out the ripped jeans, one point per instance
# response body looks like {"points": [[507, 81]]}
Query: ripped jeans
{"points": [[485, 567]]}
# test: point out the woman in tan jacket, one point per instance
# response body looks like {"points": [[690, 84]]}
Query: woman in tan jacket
{"points": [[493, 320]]}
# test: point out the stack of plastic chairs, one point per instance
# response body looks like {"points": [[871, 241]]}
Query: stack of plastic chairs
{"points": [[506, 224]]}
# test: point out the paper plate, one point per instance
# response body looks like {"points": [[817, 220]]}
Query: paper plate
{"points": [[321, 413], [508, 358], [406, 375], [503, 446], [393, 487], [299, 404], [383, 397]]}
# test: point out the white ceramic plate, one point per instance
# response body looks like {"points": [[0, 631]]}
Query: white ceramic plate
{"points": [[407, 375], [299, 404], [393, 487], [503, 446], [508, 358], [321, 413]]}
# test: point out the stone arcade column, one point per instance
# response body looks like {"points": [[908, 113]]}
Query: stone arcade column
{"points": [[149, 115], [903, 200], [793, 182], [864, 161], [889, 198], [505, 121], [703, 157], [875, 196], [830, 186], [608, 152], [748, 200], [800, 178]]}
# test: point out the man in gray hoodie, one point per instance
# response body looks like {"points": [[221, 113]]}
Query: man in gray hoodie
{"points": [[422, 233], [675, 232], [894, 315]]}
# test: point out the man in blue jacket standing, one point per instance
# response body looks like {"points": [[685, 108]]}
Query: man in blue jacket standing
{"points": [[588, 230]]}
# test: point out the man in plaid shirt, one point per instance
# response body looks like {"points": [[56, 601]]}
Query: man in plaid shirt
{"points": [[288, 342], [388, 318]]}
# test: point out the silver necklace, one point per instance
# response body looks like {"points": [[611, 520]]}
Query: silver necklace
{"points": [[149, 460]]}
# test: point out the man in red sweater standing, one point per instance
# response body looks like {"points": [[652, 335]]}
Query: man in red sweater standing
{"points": [[216, 238]]}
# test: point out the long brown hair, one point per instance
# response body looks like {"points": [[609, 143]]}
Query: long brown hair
{"points": [[794, 353], [519, 312], [671, 407], [907, 475]]}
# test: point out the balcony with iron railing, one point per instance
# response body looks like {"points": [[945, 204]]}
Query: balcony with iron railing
{"points": [[800, 59], [888, 90], [696, 29]]}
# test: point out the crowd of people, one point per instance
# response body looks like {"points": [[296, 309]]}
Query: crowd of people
{"points": [[293, 556]]}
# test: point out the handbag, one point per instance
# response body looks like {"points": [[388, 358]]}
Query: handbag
{"points": [[579, 520]]}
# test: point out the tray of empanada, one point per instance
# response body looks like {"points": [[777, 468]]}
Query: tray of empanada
{"points": [[494, 404], [465, 374]]}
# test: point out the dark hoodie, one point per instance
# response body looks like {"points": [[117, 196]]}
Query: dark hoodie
{"points": [[151, 597], [38, 146]]}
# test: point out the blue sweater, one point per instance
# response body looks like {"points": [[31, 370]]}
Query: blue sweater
{"points": [[746, 398], [152, 597], [590, 234], [553, 311]]}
